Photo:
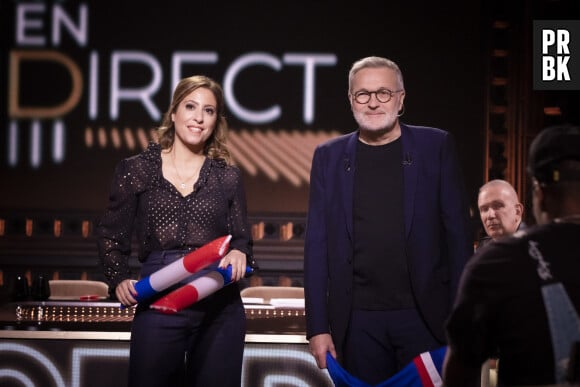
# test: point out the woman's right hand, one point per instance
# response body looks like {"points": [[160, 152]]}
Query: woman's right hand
{"points": [[126, 292]]}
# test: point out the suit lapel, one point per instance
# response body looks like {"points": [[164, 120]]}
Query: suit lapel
{"points": [[347, 173], [410, 172]]}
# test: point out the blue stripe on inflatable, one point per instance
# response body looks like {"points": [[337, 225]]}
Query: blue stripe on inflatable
{"points": [[227, 273], [144, 289]]}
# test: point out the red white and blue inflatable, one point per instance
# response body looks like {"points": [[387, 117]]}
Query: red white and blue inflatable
{"points": [[196, 290], [179, 270]]}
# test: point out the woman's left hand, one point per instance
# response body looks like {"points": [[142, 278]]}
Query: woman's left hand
{"points": [[238, 261]]}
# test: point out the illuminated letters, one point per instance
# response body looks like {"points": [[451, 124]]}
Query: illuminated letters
{"points": [[25, 24], [310, 61], [555, 67], [16, 110], [145, 93], [244, 61]]}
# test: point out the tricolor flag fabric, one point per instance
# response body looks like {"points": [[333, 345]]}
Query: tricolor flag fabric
{"points": [[424, 371]]}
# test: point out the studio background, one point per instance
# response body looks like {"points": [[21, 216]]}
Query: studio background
{"points": [[66, 161]]}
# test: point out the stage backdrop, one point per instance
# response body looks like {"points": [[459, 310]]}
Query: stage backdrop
{"points": [[83, 84]]}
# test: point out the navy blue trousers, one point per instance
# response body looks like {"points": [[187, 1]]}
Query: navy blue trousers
{"points": [[381, 343], [202, 345]]}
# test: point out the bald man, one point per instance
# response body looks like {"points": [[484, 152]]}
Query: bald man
{"points": [[500, 209]]}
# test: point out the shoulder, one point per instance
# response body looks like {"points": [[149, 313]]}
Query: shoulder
{"points": [[511, 250], [151, 155], [483, 241], [222, 166], [141, 167], [335, 148], [527, 233], [429, 142], [425, 134], [224, 170], [497, 253], [338, 141], [560, 238], [424, 130]]}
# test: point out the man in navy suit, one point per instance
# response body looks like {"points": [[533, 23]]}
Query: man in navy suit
{"points": [[388, 233]]}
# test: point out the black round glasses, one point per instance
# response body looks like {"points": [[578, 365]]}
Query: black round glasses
{"points": [[383, 95]]}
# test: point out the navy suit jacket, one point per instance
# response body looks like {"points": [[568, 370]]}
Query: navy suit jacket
{"points": [[439, 236]]}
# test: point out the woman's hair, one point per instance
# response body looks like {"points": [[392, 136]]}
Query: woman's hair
{"points": [[215, 146]]}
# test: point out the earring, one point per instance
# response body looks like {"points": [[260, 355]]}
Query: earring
{"points": [[401, 112]]}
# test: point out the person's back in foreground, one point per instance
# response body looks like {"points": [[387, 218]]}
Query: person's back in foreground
{"points": [[500, 307]]}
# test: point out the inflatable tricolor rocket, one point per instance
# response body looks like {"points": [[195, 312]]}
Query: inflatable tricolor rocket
{"points": [[182, 268], [196, 290]]}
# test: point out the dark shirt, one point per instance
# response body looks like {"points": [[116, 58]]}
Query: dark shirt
{"points": [[487, 239], [381, 279], [500, 309], [142, 200]]}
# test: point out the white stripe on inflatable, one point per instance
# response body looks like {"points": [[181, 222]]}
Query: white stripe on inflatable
{"points": [[168, 275], [208, 284], [431, 369]]}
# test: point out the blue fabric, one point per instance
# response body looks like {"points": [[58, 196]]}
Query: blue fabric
{"points": [[564, 326], [407, 377], [339, 376]]}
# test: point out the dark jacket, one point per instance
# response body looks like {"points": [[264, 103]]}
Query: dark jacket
{"points": [[437, 229]]}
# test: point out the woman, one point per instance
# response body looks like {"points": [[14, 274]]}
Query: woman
{"points": [[178, 195]]}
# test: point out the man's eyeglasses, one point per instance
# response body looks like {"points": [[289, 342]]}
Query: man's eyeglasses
{"points": [[382, 95]]}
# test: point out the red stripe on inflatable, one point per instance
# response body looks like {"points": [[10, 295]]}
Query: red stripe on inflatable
{"points": [[422, 371], [176, 300], [206, 254]]}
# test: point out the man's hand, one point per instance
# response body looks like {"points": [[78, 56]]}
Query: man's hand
{"points": [[319, 345]]}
